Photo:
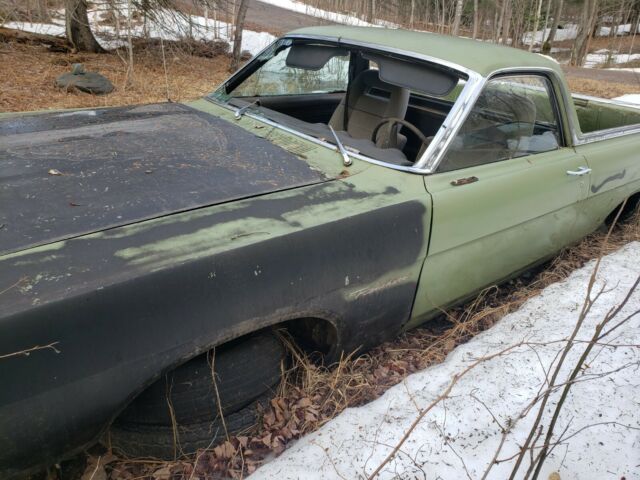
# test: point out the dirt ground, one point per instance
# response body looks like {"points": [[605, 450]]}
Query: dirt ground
{"points": [[29, 83]]}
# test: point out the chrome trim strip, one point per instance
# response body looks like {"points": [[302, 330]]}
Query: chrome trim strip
{"points": [[434, 154], [430, 159], [611, 101], [317, 141]]}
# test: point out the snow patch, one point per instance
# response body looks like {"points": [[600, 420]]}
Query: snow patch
{"points": [[170, 26], [462, 433], [325, 14], [630, 98]]}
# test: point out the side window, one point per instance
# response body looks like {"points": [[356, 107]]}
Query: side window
{"points": [[513, 117]]}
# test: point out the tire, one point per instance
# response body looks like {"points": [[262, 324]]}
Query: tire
{"points": [[158, 441], [246, 373], [193, 396]]}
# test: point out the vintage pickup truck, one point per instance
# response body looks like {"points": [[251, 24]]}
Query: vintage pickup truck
{"points": [[344, 185]]}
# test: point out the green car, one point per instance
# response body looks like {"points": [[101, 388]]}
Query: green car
{"points": [[344, 185]]}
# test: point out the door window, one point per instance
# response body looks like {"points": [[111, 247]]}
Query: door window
{"points": [[514, 116]]}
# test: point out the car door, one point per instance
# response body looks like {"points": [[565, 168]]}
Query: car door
{"points": [[506, 194]]}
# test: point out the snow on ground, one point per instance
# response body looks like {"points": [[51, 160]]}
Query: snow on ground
{"points": [[630, 98], [603, 56], [634, 70], [325, 14], [461, 433], [170, 26], [570, 31]]}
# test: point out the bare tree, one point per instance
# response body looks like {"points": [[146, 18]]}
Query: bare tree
{"points": [[79, 32], [237, 34], [457, 17], [585, 31]]}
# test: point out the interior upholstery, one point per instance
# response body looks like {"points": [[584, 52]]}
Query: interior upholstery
{"points": [[366, 111]]}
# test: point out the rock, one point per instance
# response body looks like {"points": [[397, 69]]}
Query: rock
{"points": [[88, 82]]}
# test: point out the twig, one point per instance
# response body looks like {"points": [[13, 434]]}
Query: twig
{"points": [[28, 351], [442, 396]]}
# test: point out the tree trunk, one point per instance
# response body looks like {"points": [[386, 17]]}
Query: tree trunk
{"points": [[536, 22], [475, 19], [237, 34], [507, 23], [129, 43], [413, 9], [38, 11], [457, 17], [77, 25], [557, 11], [584, 32], [500, 26]]}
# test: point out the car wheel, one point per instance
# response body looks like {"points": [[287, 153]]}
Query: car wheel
{"points": [[188, 397], [166, 443]]}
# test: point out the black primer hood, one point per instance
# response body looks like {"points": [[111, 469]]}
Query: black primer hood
{"points": [[126, 164]]}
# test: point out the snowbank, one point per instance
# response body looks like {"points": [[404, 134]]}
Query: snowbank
{"points": [[325, 14], [570, 31], [601, 57], [630, 98], [170, 27], [461, 433]]}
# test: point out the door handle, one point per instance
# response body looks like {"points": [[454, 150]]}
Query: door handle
{"points": [[579, 172]]}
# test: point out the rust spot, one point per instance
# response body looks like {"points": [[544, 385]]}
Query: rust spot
{"points": [[464, 181]]}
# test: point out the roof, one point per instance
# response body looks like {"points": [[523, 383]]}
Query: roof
{"points": [[481, 57]]}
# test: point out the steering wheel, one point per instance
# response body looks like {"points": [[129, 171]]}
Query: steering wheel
{"points": [[393, 120]]}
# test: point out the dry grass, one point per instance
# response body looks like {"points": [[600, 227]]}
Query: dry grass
{"points": [[622, 43], [311, 395], [598, 88], [28, 84]]}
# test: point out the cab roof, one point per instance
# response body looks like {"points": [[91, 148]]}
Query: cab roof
{"points": [[481, 57]]}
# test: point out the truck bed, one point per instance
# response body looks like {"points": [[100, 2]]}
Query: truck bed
{"points": [[596, 114]]}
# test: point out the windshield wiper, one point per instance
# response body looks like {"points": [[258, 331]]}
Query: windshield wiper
{"points": [[346, 160], [240, 111]]}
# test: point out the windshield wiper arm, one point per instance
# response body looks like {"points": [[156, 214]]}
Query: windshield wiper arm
{"points": [[346, 160], [240, 111]]}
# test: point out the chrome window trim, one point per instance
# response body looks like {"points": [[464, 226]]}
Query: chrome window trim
{"points": [[430, 159]]}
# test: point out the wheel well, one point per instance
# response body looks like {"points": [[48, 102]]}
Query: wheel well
{"points": [[633, 201], [314, 336]]}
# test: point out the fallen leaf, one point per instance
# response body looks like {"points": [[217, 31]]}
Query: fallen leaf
{"points": [[163, 473]]}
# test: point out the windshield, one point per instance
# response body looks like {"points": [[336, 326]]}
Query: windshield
{"points": [[276, 77], [380, 105]]}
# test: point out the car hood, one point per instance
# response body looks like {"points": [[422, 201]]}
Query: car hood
{"points": [[65, 174]]}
